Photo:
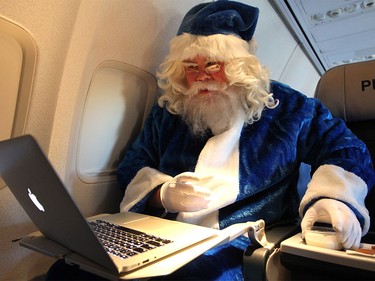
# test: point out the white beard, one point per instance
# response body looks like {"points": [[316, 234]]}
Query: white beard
{"points": [[217, 110]]}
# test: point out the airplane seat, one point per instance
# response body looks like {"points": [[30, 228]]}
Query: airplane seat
{"points": [[349, 93]]}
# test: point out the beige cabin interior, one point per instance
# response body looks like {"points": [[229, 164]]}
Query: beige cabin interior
{"points": [[80, 77]]}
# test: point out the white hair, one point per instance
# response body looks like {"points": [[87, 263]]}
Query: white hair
{"points": [[242, 69]]}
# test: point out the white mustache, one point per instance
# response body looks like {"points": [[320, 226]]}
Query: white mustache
{"points": [[209, 86]]}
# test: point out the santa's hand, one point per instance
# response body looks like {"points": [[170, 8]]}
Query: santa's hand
{"points": [[184, 194], [340, 216]]}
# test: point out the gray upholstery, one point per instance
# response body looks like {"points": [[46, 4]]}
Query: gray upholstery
{"points": [[349, 91]]}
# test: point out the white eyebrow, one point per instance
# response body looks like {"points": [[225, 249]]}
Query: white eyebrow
{"points": [[187, 63]]}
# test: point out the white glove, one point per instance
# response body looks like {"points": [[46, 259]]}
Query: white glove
{"points": [[184, 193], [340, 216]]}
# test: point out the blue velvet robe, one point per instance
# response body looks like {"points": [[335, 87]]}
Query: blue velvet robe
{"points": [[299, 129]]}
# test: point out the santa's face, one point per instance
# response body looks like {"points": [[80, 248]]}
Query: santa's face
{"points": [[201, 69], [210, 103]]}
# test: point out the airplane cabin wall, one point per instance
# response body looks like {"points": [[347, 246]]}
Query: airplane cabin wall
{"points": [[49, 25], [278, 50], [133, 37], [80, 42]]}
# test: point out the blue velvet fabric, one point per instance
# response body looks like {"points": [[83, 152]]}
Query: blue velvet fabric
{"points": [[221, 17], [299, 129], [220, 263]]}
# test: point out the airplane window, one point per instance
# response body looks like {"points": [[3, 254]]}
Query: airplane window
{"points": [[119, 98], [17, 64], [10, 72]]}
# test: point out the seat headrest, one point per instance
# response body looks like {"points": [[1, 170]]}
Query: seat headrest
{"points": [[349, 91]]}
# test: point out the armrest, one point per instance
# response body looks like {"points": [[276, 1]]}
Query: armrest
{"points": [[255, 257]]}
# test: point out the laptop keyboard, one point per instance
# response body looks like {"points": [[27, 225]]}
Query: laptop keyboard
{"points": [[125, 242]]}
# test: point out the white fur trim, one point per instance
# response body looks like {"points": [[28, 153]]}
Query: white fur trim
{"points": [[219, 159], [334, 182], [218, 46], [144, 182]]}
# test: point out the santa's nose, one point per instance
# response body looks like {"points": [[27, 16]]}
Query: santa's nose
{"points": [[202, 76]]}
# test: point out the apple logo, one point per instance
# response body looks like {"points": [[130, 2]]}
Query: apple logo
{"points": [[35, 201]]}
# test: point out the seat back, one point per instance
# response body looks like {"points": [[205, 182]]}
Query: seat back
{"points": [[349, 93]]}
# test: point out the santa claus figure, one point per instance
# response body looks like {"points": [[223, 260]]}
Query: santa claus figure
{"points": [[224, 144]]}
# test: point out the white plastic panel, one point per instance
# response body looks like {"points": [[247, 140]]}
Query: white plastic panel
{"points": [[119, 98], [10, 72], [281, 53], [300, 74], [333, 32], [275, 43], [17, 64]]}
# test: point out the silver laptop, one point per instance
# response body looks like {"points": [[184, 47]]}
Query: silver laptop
{"points": [[111, 241]]}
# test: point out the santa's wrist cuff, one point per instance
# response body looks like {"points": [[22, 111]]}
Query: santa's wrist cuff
{"points": [[331, 181]]}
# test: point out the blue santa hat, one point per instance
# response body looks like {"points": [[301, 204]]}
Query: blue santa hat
{"points": [[221, 17], [220, 30]]}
